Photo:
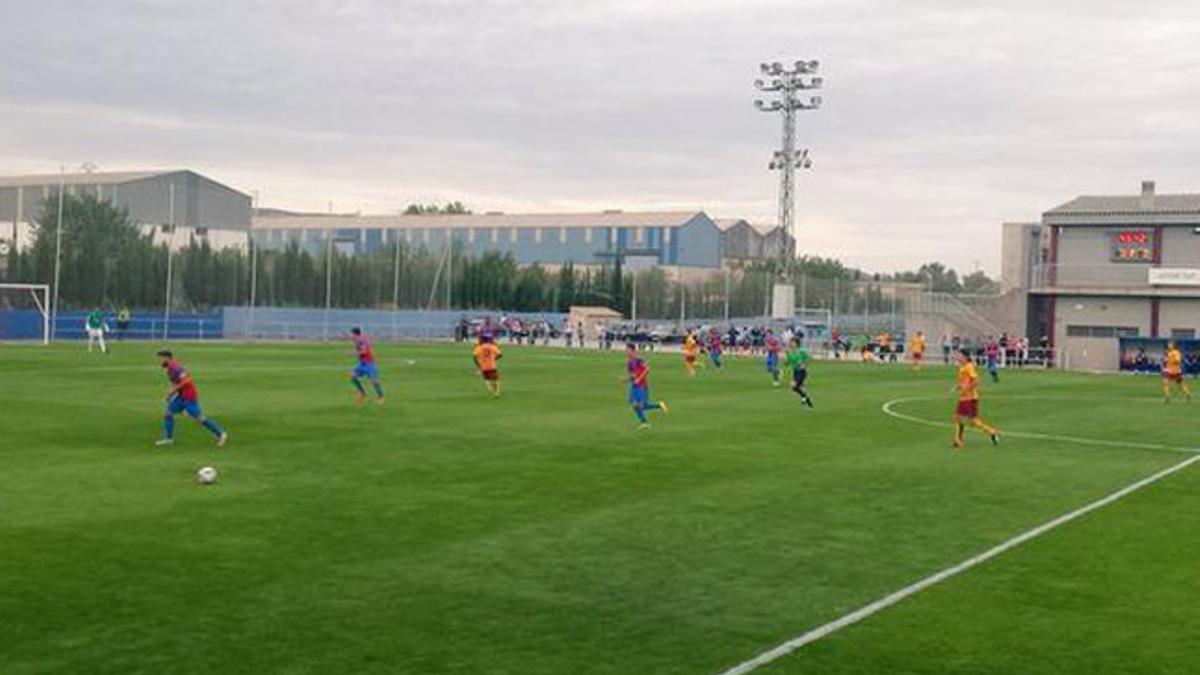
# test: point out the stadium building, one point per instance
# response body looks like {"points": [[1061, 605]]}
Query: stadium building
{"points": [[682, 239], [742, 241], [1101, 268], [193, 203]]}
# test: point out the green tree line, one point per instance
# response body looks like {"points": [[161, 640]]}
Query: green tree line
{"points": [[107, 260]]}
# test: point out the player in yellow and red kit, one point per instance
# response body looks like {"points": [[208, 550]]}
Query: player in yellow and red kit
{"points": [[967, 410], [1172, 372]]}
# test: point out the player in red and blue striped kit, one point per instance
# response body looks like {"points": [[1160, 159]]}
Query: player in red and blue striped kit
{"points": [[773, 347], [366, 367], [183, 398], [639, 386]]}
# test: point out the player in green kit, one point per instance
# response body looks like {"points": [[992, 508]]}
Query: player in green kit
{"points": [[94, 325], [797, 360]]}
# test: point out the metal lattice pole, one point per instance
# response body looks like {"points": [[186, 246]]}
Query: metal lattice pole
{"points": [[786, 83]]}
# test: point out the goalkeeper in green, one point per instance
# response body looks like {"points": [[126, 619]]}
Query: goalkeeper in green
{"points": [[94, 324]]}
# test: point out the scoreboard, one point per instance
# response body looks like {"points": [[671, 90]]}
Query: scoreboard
{"points": [[1134, 246]]}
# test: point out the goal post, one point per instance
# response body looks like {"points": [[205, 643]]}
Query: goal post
{"points": [[25, 312]]}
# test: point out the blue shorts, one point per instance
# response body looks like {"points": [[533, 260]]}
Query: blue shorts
{"points": [[177, 405], [368, 370], [638, 395], [772, 361]]}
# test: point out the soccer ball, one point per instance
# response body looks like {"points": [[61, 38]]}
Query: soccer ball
{"points": [[206, 476]]}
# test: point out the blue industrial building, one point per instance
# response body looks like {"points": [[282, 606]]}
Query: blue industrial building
{"points": [[673, 238]]}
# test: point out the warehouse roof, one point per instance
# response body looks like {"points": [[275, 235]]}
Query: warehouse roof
{"points": [[1148, 202], [1096, 205], [92, 178], [440, 221], [725, 224]]}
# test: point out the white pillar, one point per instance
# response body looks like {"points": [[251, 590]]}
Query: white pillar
{"points": [[170, 240], [62, 189]]}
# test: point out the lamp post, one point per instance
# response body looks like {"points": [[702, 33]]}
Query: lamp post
{"points": [[787, 84]]}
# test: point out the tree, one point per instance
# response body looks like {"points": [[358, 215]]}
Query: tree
{"points": [[451, 208], [979, 283], [96, 237]]}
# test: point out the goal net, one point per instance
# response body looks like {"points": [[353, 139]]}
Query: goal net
{"points": [[25, 312]]}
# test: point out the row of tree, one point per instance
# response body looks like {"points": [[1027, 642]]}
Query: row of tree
{"points": [[107, 260]]}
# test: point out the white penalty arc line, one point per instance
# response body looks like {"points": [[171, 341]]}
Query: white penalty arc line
{"points": [[889, 409], [887, 601]]}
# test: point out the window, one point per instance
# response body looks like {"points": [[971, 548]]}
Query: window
{"points": [[1183, 333], [587, 234], [537, 235], [1102, 331]]}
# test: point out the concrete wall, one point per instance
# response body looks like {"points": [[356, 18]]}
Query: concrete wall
{"points": [[1084, 259], [1176, 314], [1019, 253], [1180, 246], [1097, 353]]}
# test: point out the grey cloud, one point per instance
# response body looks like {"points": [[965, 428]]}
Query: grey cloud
{"points": [[942, 119]]}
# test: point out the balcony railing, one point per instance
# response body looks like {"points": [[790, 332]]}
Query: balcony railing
{"points": [[1114, 276]]}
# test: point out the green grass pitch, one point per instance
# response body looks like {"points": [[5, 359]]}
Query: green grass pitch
{"points": [[541, 533]]}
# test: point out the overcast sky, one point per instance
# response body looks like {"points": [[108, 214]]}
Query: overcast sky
{"points": [[942, 119]]}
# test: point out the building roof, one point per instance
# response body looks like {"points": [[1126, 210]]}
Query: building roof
{"points": [[1134, 204], [92, 178], [724, 224], [442, 221]]}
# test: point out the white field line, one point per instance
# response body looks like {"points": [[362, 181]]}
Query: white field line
{"points": [[879, 605], [889, 409]]}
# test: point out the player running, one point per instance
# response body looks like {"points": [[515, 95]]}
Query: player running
{"points": [[94, 325], [967, 387], [183, 398], [916, 350], [1172, 372], [773, 347], [690, 349], [797, 360], [992, 352], [366, 367], [486, 355], [639, 386], [714, 347]]}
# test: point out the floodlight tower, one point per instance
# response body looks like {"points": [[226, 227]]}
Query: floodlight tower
{"points": [[787, 84]]}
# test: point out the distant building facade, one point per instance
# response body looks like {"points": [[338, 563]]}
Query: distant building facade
{"points": [[743, 241], [193, 203], [669, 238], [1099, 268]]}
